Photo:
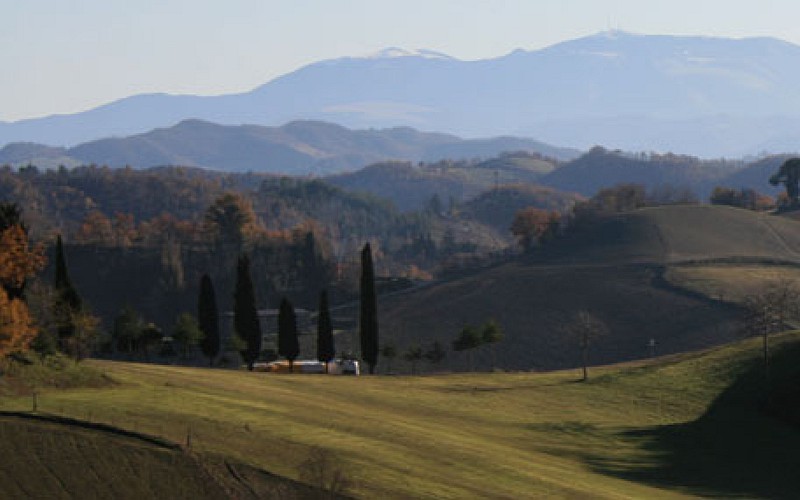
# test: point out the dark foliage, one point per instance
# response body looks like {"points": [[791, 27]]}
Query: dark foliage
{"points": [[245, 314], [326, 349], [741, 198], [10, 215], [789, 176], [127, 331], [208, 319], [67, 300], [436, 353], [369, 311]]}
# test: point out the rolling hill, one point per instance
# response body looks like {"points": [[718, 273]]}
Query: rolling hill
{"points": [[611, 267], [600, 168], [676, 427], [411, 187], [57, 457], [496, 208], [756, 175]]}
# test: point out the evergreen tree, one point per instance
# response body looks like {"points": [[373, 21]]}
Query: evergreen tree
{"points": [[67, 301], [314, 270], [326, 349], [369, 311], [208, 319], [287, 333], [245, 315]]}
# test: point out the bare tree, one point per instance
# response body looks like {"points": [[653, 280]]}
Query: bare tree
{"points": [[586, 327], [413, 355], [769, 311], [389, 351]]}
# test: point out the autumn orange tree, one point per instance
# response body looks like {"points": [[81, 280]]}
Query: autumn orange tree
{"points": [[18, 262], [533, 225], [231, 218]]}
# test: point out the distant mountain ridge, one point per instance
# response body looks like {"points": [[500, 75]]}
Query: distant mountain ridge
{"points": [[699, 95], [298, 148]]}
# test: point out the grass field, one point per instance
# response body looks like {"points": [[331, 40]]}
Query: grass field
{"points": [[611, 268], [661, 429], [730, 282]]}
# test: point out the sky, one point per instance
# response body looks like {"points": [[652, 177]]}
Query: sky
{"points": [[65, 56]]}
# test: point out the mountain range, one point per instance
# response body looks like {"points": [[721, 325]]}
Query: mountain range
{"points": [[297, 148], [698, 95]]}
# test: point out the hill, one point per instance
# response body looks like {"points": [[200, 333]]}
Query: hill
{"points": [[756, 175], [702, 95], [676, 427], [600, 168], [299, 147], [611, 267], [56, 457], [411, 187], [681, 233], [497, 207]]}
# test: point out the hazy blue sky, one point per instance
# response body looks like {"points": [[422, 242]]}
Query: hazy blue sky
{"points": [[63, 56]]}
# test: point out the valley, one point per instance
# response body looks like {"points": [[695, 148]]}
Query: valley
{"points": [[272, 266]]}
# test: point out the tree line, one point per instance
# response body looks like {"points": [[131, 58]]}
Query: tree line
{"points": [[64, 322]]}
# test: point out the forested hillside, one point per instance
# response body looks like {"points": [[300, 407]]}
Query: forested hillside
{"points": [[145, 237], [412, 187], [601, 168]]}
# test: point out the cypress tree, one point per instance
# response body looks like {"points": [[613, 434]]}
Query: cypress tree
{"points": [[369, 311], [245, 315], [287, 333], [208, 319], [325, 345], [67, 300]]}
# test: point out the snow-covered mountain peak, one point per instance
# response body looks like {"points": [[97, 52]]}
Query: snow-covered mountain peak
{"points": [[394, 52]]}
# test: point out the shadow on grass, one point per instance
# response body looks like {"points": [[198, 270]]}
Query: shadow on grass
{"points": [[745, 445]]}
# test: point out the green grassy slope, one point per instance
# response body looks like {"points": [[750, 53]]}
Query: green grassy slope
{"points": [[611, 267], [681, 233], [535, 305], [665, 429], [730, 282], [43, 459], [51, 456]]}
